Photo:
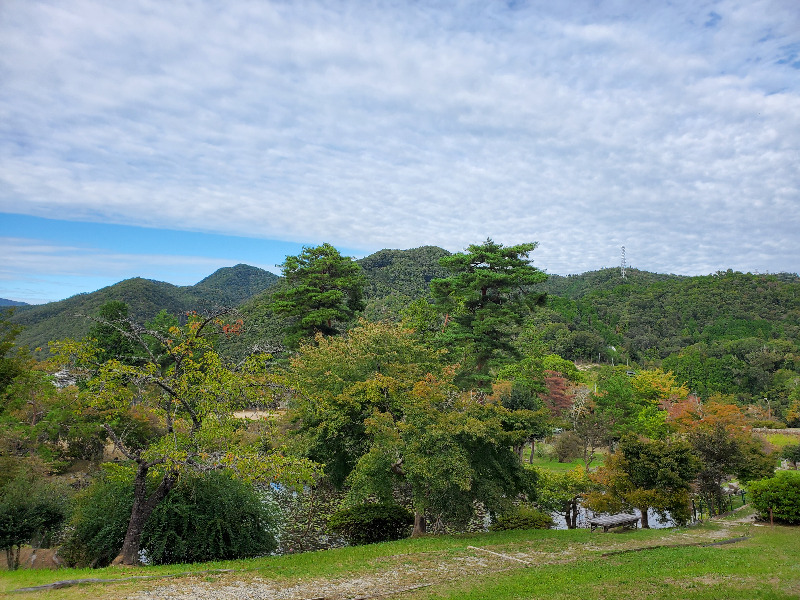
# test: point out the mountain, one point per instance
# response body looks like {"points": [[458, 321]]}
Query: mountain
{"points": [[577, 286], [402, 272], [5, 302], [228, 286]]}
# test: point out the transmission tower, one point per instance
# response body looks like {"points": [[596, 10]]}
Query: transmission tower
{"points": [[622, 264]]}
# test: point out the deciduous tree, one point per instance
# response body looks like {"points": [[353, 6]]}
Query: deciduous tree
{"points": [[647, 474], [187, 388], [379, 408]]}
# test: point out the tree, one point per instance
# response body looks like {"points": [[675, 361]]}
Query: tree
{"points": [[12, 359], [791, 453], [30, 507], [778, 497], [113, 333], [322, 290], [591, 425], [562, 492], [647, 474], [380, 410], [485, 297], [724, 453], [187, 389]]}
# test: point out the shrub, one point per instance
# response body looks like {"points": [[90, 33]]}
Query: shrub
{"points": [[371, 523], [792, 454], [525, 517], [99, 520], [210, 516], [567, 446], [29, 508], [780, 493]]}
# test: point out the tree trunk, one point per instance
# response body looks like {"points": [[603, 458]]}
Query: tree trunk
{"points": [[141, 511], [520, 451], [533, 449], [645, 521], [420, 524]]}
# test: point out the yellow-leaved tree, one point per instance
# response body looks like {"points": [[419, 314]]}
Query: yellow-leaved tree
{"points": [[189, 395]]}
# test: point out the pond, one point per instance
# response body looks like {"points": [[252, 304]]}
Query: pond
{"points": [[584, 514]]}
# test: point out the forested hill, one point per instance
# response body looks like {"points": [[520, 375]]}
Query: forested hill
{"points": [[228, 286], [653, 319], [6, 302], [733, 328], [728, 332], [405, 272], [577, 286]]}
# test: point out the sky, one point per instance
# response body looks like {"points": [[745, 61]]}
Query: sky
{"points": [[169, 139]]}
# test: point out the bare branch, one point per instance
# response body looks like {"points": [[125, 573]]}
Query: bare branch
{"points": [[118, 443]]}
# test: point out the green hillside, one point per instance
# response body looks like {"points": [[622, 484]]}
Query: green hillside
{"points": [[228, 286], [7, 302]]}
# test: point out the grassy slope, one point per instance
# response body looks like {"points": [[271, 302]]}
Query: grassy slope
{"points": [[562, 564]]}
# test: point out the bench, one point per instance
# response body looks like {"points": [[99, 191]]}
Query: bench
{"points": [[609, 521]]}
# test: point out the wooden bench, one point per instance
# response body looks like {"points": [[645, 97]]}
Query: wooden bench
{"points": [[609, 521]]}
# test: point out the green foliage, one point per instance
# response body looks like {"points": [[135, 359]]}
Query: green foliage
{"points": [[12, 359], [725, 452], [114, 334], [791, 453], [372, 523], [486, 297], [207, 516], [210, 516], [404, 272], [568, 446], [323, 290], [524, 517], [304, 515], [99, 519], [380, 410], [562, 492], [647, 474], [781, 494], [54, 321], [188, 392], [30, 507]]}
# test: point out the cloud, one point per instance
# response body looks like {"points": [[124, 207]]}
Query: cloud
{"points": [[36, 271], [671, 130]]}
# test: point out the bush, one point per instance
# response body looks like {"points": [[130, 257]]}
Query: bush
{"points": [[525, 517], [30, 508], [792, 454], [780, 493], [210, 516], [100, 519], [371, 523], [567, 447]]}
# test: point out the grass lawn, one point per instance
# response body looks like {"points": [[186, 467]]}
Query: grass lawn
{"points": [[514, 564], [779, 440], [544, 462]]}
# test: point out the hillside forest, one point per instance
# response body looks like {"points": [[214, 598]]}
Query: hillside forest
{"points": [[414, 391]]}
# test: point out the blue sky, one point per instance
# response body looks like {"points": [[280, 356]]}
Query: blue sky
{"points": [[168, 139]]}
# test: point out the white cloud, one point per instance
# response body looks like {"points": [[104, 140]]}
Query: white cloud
{"points": [[673, 131]]}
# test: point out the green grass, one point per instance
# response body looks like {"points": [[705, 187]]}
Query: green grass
{"points": [[779, 440], [763, 567], [561, 564], [545, 462]]}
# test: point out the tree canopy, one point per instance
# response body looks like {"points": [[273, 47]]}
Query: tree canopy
{"points": [[486, 295], [322, 289]]}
